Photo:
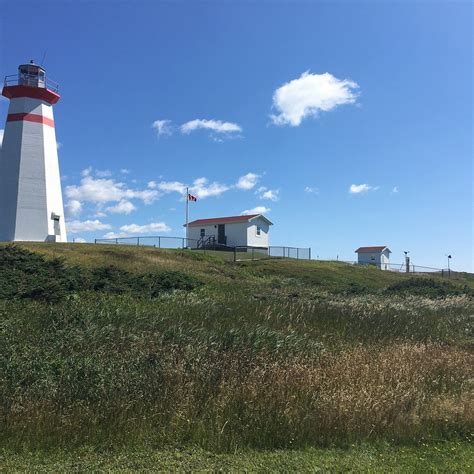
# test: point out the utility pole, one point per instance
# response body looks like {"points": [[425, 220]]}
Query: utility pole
{"points": [[187, 216], [449, 268]]}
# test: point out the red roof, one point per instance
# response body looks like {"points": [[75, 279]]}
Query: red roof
{"points": [[225, 220], [379, 248]]}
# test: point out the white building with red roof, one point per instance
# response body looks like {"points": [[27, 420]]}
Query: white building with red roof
{"points": [[232, 231], [377, 255]]}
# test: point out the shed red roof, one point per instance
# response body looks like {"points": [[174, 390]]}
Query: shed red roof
{"points": [[225, 220], [379, 248]]}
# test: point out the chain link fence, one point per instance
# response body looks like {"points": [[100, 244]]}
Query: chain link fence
{"points": [[237, 254]]}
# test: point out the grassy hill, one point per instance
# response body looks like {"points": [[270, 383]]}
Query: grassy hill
{"points": [[140, 349]]}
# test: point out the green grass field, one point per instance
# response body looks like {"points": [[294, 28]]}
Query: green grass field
{"points": [[136, 358]]}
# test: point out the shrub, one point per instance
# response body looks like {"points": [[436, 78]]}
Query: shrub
{"points": [[427, 287], [27, 275]]}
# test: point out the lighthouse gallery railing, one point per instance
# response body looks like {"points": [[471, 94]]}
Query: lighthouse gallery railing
{"points": [[32, 80]]}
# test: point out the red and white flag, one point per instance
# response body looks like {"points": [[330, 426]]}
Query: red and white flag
{"points": [[192, 198]]}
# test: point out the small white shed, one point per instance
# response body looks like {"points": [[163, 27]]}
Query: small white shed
{"points": [[378, 256], [233, 231]]}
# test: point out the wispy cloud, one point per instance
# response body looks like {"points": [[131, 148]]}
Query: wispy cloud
{"points": [[256, 210], [395, 190], [103, 173], [311, 190], [162, 127], [130, 230], [247, 181], [75, 227], [309, 95], [201, 187], [223, 129], [361, 188]]}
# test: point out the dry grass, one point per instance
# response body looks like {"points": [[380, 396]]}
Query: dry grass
{"points": [[248, 361]]}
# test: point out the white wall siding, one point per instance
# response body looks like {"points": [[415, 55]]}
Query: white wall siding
{"points": [[237, 233], [254, 240], [30, 186], [380, 259]]}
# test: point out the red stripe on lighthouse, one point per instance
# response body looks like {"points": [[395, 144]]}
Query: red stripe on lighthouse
{"points": [[30, 118]]}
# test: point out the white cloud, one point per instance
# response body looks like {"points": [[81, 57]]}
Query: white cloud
{"points": [[146, 229], [361, 188], [247, 181], [200, 188], [311, 190], [122, 207], [310, 94], [2, 131], [74, 207], [162, 127], [217, 126], [172, 186], [107, 190], [125, 171], [75, 227], [79, 240], [152, 184], [131, 230], [395, 190], [270, 194], [203, 190], [103, 173], [86, 172], [256, 210]]}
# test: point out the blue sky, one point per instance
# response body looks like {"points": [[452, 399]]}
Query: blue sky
{"points": [[350, 122]]}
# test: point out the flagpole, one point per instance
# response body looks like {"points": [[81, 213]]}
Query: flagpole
{"points": [[187, 215]]}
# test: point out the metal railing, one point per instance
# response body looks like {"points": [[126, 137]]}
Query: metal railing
{"points": [[159, 241], [290, 252], [31, 80], [396, 267]]}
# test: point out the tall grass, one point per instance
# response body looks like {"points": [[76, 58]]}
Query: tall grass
{"points": [[223, 372]]}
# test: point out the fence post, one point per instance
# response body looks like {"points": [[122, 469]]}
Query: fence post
{"points": [[253, 253], [309, 253], [297, 253], [138, 241], [116, 241], [183, 244], [95, 241], [159, 242], [235, 254]]}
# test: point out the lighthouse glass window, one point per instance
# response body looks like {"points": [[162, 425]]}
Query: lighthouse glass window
{"points": [[259, 230]]}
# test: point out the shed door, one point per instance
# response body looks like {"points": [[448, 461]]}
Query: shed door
{"points": [[221, 234]]}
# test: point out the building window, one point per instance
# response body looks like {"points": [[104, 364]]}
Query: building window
{"points": [[203, 232], [259, 230]]}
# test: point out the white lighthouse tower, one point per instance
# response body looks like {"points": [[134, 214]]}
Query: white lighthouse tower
{"points": [[31, 203]]}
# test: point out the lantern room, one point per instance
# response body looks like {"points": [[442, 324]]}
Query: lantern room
{"points": [[31, 75]]}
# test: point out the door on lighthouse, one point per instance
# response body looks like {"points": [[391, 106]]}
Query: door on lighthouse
{"points": [[221, 234]]}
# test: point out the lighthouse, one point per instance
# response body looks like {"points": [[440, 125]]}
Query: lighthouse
{"points": [[31, 203]]}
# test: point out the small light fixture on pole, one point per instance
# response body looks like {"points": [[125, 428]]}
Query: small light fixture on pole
{"points": [[407, 261], [449, 268]]}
